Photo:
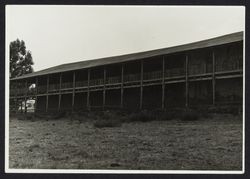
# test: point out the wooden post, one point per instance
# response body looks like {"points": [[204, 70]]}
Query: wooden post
{"points": [[47, 96], [60, 95], [16, 103], [163, 84], [36, 94], [73, 94], [21, 105], [88, 104], [141, 86], [104, 88], [122, 83], [187, 92], [213, 77], [25, 97]]}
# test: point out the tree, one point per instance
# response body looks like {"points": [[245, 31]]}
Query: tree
{"points": [[20, 59]]}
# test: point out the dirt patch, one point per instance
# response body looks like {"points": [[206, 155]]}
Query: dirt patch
{"points": [[213, 143]]}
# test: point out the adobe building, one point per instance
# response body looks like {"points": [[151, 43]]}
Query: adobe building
{"points": [[208, 72]]}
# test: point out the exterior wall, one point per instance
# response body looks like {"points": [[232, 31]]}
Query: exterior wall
{"points": [[80, 101], [132, 98], [152, 96], [53, 103], [113, 98], [41, 104], [66, 102], [175, 95], [199, 77], [200, 93], [229, 90]]}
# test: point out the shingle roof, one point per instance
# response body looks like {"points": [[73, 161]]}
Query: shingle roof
{"points": [[229, 38]]}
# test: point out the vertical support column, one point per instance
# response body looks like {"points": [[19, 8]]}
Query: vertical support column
{"points": [[73, 94], [60, 95], [141, 86], [47, 95], [16, 102], [122, 84], [186, 75], [21, 105], [36, 94], [213, 77], [88, 104], [104, 88], [19, 89], [12, 87], [163, 84], [25, 97]]}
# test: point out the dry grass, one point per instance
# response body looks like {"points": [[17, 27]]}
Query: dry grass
{"points": [[206, 144]]}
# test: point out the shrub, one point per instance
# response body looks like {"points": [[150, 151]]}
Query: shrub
{"points": [[107, 123], [142, 116], [29, 117], [189, 115], [21, 117], [25, 117], [167, 115], [60, 115]]}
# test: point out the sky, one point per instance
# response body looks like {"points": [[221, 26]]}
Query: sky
{"points": [[63, 34]]}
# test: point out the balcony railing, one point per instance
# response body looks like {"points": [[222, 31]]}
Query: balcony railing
{"points": [[81, 83], [152, 75], [67, 85], [175, 72], [54, 87], [229, 65], [113, 80], [200, 69], [96, 82], [42, 89], [132, 77]]}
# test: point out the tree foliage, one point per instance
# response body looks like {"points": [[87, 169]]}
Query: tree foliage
{"points": [[20, 59]]}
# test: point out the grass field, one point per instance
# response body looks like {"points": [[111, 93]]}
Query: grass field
{"points": [[213, 143]]}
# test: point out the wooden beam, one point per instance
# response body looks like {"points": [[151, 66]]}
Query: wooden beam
{"points": [[104, 88], [186, 81], [213, 76], [59, 95], [36, 85], [47, 96], [163, 84], [122, 84], [16, 87], [141, 86], [21, 105], [88, 93], [73, 94], [36, 94], [25, 98]]}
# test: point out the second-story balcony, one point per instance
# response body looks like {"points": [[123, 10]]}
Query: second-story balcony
{"points": [[174, 72], [54, 87], [113, 80], [42, 89], [132, 77], [80, 84], [152, 75], [67, 85], [129, 78]]}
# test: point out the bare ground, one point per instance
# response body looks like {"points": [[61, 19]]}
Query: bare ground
{"points": [[206, 144]]}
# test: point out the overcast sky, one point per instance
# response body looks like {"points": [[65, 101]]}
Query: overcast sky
{"points": [[64, 34]]}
